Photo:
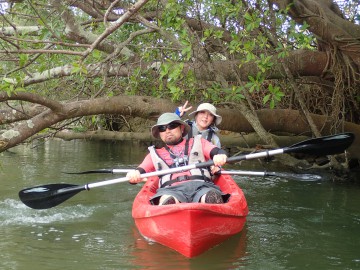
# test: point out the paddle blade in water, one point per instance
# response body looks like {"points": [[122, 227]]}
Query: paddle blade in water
{"points": [[327, 145], [92, 171], [47, 196]]}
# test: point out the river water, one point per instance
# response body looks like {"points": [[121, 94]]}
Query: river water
{"points": [[291, 224]]}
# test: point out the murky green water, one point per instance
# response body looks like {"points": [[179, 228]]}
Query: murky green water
{"points": [[291, 224]]}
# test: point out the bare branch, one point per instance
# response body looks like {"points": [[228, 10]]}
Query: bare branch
{"points": [[131, 11], [42, 51], [33, 98]]}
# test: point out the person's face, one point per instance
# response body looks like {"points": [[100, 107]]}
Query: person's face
{"points": [[171, 133], [204, 119]]}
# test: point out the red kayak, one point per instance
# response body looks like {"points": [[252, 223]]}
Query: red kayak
{"points": [[190, 228]]}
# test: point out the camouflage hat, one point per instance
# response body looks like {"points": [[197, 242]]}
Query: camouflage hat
{"points": [[208, 107], [167, 118]]}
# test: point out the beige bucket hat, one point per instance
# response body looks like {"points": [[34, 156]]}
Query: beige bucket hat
{"points": [[167, 118], [208, 107]]}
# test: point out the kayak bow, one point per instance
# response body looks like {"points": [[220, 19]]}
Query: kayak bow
{"points": [[190, 228]]}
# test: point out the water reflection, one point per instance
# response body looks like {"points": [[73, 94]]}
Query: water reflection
{"points": [[148, 255], [291, 224]]}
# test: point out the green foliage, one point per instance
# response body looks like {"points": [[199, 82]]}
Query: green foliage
{"points": [[97, 55], [173, 78], [212, 93], [301, 36], [217, 34], [79, 68], [274, 96], [79, 129], [282, 52], [133, 82], [7, 85], [252, 21], [264, 63], [234, 93], [11, 85], [255, 83], [45, 131], [23, 58], [183, 35]]}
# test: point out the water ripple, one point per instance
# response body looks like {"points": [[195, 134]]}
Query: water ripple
{"points": [[14, 212]]}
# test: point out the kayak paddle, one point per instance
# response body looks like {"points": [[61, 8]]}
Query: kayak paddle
{"points": [[47, 196], [293, 176], [102, 171]]}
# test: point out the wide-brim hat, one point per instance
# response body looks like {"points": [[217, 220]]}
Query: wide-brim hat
{"points": [[208, 107], [167, 118]]}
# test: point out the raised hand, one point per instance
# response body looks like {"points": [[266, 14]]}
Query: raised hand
{"points": [[183, 109]]}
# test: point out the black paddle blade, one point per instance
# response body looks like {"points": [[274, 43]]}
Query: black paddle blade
{"points": [[92, 171], [327, 145], [47, 196]]}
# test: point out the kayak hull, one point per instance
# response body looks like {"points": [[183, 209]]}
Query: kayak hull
{"points": [[190, 228]]}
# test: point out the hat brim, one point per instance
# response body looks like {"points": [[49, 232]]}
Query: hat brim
{"points": [[155, 129]]}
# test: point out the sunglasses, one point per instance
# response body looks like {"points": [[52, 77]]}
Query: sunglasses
{"points": [[170, 126]]}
